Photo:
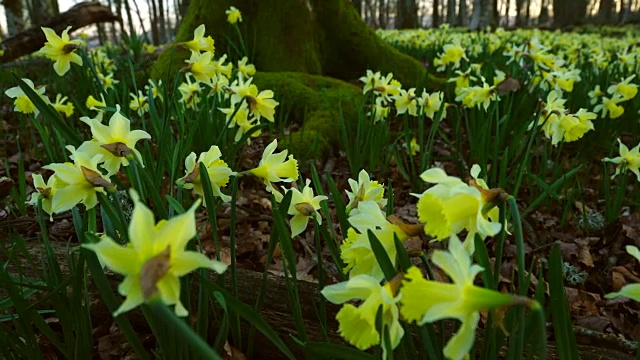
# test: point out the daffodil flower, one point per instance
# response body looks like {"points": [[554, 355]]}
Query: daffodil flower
{"points": [[242, 120], [199, 42], [189, 91], [452, 54], [61, 107], [273, 168], [82, 181], [155, 259], [358, 324], [22, 102], [303, 207], [452, 206], [139, 103], [356, 249], [406, 102], [45, 191], [625, 89], [233, 15], [218, 171], [244, 69], [364, 189], [430, 104], [201, 66], [632, 291], [115, 142], [261, 104], [221, 68], [628, 159], [61, 50], [426, 301], [107, 80], [92, 103]]}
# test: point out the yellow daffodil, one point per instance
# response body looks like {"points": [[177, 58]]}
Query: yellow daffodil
{"points": [[149, 49], [155, 258], [430, 104], [273, 168], [628, 160], [81, 181], [358, 324], [115, 142], [61, 50], [199, 42], [45, 191], [356, 249], [92, 103], [154, 88], [380, 110], [452, 55], [189, 91], [218, 171], [107, 80], [413, 147], [242, 120], [221, 68], [364, 189], [233, 15], [426, 301], [22, 102], [246, 70], [632, 291], [139, 103], [452, 206], [624, 89], [595, 94], [610, 106], [406, 102], [261, 104], [61, 107], [303, 207], [201, 66]]}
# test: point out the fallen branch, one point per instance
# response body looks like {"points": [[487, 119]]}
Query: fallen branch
{"points": [[32, 40]]}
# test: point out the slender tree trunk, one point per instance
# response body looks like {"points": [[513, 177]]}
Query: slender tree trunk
{"points": [[605, 11], [153, 17], [626, 12], [407, 14], [358, 5], [520, 13], [452, 17], [436, 13], [382, 22], [483, 14], [507, 13], [162, 26], [14, 12], [463, 17], [569, 12], [527, 13]]}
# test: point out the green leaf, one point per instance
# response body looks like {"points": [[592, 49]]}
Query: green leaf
{"points": [[382, 257], [562, 328], [323, 350]]}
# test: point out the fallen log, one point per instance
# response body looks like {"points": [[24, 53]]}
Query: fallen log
{"points": [[32, 40], [276, 309]]}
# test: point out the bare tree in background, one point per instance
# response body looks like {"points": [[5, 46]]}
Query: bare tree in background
{"points": [[14, 12], [463, 17], [483, 14], [569, 12], [605, 11]]}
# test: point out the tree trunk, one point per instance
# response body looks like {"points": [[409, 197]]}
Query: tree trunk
{"points": [[626, 12], [567, 13], [435, 17], [463, 17], [520, 13], [162, 25], [407, 14], [153, 17], [382, 20], [452, 17], [14, 13], [483, 14], [507, 12], [605, 11], [358, 5]]}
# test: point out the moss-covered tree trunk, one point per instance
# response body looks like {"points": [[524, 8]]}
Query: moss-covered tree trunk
{"points": [[319, 37]]}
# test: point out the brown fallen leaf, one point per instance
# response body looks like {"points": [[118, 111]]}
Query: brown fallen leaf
{"points": [[231, 353]]}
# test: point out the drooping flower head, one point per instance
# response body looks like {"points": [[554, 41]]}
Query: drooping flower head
{"points": [[233, 15], [365, 189], [628, 159], [22, 102], [304, 205], [200, 42], [273, 168], [155, 259]]}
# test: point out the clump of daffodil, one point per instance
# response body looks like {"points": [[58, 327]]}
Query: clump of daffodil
{"points": [[560, 125], [62, 107], [233, 15], [22, 102], [241, 119], [385, 87], [115, 142], [632, 291], [304, 205], [61, 50], [155, 258], [452, 205], [79, 183], [379, 110], [358, 324], [200, 42], [430, 104], [628, 160], [218, 171], [45, 192], [273, 168], [261, 104], [356, 249], [364, 189], [426, 301], [154, 88], [221, 68]]}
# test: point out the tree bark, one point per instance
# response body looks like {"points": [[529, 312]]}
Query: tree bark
{"points": [[463, 17], [483, 14], [14, 12], [605, 11], [435, 18], [407, 14], [520, 13], [452, 17], [33, 39], [567, 13]]}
